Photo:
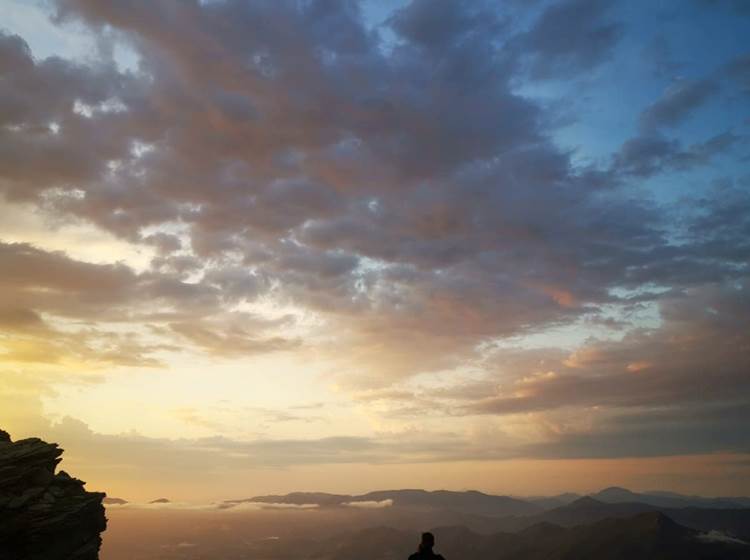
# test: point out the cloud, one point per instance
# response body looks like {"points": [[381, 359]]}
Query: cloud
{"points": [[38, 101], [217, 453], [381, 210], [739, 70], [409, 197], [718, 536], [678, 103], [569, 37], [650, 154], [370, 504], [697, 354], [244, 506], [231, 340], [60, 308], [737, 6], [442, 23], [164, 242], [653, 433], [663, 58], [681, 382]]}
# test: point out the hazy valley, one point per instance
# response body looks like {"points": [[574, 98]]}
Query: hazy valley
{"points": [[387, 524]]}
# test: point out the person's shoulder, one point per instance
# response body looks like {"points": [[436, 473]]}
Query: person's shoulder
{"points": [[439, 557], [415, 556]]}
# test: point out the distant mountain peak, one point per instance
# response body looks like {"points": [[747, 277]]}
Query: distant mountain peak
{"points": [[615, 491], [659, 523], [584, 502]]}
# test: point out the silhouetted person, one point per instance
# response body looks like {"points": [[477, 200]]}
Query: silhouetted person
{"points": [[425, 549]]}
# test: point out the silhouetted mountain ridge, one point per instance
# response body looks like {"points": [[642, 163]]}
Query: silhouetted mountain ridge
{"points": [[550, 502], [565, 509], [586, 510], [616, 494], [468, 502], [650, 535]]}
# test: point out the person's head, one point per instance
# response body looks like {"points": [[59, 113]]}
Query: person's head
{"points": [[428, 541]]}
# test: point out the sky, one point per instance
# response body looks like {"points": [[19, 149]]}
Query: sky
{"points": [[250, 247]]}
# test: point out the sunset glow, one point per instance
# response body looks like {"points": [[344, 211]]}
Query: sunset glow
{"points": [[258, 247]]}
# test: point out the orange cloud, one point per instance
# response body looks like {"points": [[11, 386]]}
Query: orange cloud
{"points": [[636, 367]]}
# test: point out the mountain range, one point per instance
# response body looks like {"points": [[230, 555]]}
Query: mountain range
{"points": [[734, 522], [644, 536], [385, 525], [489, 504], [616, 495], [487, 513], [466, 502]]}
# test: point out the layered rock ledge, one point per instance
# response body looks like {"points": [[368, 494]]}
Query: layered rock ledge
{"points": [[45, 515]]}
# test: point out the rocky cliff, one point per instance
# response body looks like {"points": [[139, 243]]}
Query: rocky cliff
{"points": [[45, 515]]}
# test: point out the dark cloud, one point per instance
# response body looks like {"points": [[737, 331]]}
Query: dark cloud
{"points": [[441, 24], [47, 141], [655, 433], [722, 225], [16, 318], [678, 103], [737, 6], [412, 196], [424, 160], [33, 275], [739, 71], [676, 389], [164, 242], [569, 37], [663, 58], [652, 153], [699, 354], [398, 127]]}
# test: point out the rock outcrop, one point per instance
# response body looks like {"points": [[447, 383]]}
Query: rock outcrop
{"points": [[45, 515]]}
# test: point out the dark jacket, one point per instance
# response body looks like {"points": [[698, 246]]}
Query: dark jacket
{"points": [[426, 555]]}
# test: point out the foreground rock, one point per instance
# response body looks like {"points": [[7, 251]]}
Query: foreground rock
{"points": [[43, 515]]}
